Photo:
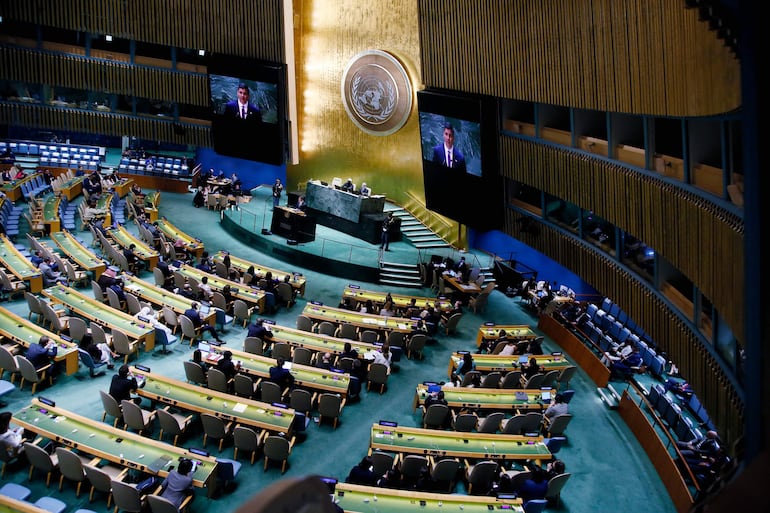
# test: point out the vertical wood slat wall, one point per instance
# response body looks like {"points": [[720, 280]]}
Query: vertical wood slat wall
{"points": [[715, 390], [97, 75], [213, 25], [637, 57], [694, 235], [112, 124]]}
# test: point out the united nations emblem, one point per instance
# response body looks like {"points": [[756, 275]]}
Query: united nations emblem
{"points": [[376, 92]]}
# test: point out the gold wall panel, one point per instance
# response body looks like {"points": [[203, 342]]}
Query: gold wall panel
{"points": [[329, 34], [640, 56], [703, 372], [661, 215]]}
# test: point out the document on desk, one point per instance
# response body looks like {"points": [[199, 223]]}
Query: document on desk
{"points": [[239, 408]]}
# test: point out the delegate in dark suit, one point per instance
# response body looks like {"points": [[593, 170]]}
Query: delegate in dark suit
{"points": [[243, 109], [447, 154]]}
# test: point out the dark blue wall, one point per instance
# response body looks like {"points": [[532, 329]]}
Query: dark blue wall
{"points": [[250, 172], [508, 248]]}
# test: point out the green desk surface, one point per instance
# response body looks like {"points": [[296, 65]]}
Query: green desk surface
{"points": [[498, 399], [51, 209], [494, 362], [297, 282], [515, 332], [372, 499], [475, 446], [304, 375], [101, 439], [249, 295], [72, 182], [97, 311], [85, 258], [124, 238], [160, 296], [204, 400], [316, 341], [367, 321], [26, 333], [15, 261], [400, 301], [174, 234]]}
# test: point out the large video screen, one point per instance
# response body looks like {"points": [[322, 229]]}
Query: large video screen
{"points": [[247, 101], [459, 153]]}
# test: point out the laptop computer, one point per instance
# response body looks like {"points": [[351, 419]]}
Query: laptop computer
{"points": [[204, 347], [205, 308], [523, 360], [545, 395]]}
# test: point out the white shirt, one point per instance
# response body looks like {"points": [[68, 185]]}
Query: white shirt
{"points": [[449, 155], [243, 110], [381, 358]]}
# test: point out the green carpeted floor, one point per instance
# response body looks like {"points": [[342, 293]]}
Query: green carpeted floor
{"points": [[610, 472]]}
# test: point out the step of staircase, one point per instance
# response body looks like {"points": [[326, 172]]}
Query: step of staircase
{"points": [[401, 275], [414, 231]]}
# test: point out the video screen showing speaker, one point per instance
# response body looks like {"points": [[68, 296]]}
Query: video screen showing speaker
{"points": [[248, 108], [458, 138]]}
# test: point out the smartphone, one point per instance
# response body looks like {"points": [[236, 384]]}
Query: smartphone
{"points": [[118, 440]]}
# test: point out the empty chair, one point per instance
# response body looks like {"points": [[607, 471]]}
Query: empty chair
{"points": [[490, 423], [174, 424], [302, 356], [132, 304], [377, 375], [330, 406], [254, 345], [136, 417], [194, 373], [513, 425], [246, 439], [15, 491], [416, 345], [71, 467], [9, 364], [159, 504], [163, 339], [450, 326], [33, 303], [369, 336], [481, 476], [78, 329], [435, 416], [217, 380], [555, 485], [511, 380], [555, 426], [32, 375], [413, 466], [101, 479], [327, 328], [567, 395], [270, 392], [549, 379], [277, 448], [532, 422], [281, 350], [127, 497], [123, 346], [39, 459], [241, 312], [170, 318], [99, 294], [445, 471], [347, 330], [301, 400], [50, 504], [465, 422], [470, 377], [491, 380], [244, 386], [111, 408], [534, 382], [304, 323], [216, 428]]}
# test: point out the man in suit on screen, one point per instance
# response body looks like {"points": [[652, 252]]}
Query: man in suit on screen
{"points": [[447, 154], [241, 108]]}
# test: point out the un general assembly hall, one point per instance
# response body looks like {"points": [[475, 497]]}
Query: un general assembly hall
{"points": [[385, 256]]}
